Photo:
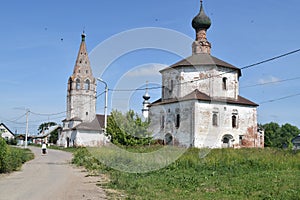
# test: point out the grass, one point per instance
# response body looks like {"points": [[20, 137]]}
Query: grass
{"points": [[222, 174]]}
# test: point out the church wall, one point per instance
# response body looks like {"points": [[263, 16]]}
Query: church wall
{"points": [[89, 138], [182, 135], [207, 134], [196, 124], [82, 105], [209, 80]]}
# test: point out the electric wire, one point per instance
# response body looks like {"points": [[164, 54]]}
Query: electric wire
{"points": [[271, 82]]}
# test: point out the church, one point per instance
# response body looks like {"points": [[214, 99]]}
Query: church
{"points": [[200, 104], [82, 126]]}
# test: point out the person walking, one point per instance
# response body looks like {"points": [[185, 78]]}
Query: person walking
{"points": [[44, 148]]}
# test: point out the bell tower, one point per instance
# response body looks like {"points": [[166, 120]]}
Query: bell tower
{"points": [[81, 95]]}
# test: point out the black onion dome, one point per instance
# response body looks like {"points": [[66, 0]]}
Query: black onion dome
{"points": [[201, 21]]}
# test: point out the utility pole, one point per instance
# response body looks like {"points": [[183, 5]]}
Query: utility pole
{"points": [[105, 104], [26, 132]]}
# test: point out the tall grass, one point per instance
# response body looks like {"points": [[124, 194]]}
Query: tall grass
{"points": [[222, 174]]}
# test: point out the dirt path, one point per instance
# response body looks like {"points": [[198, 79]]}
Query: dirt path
{"points": [[50, 177]]}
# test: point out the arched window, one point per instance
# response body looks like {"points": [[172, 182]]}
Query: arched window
{"points": [[215, 119], [162, 122], [70, 83], [234, 121], [224, 83], [77, 84], [177, 122], [87, 84]]}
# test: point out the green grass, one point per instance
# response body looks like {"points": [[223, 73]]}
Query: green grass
{"points": [[222, 174]]}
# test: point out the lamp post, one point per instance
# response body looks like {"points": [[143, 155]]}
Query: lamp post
{"points": [[105, 104]]}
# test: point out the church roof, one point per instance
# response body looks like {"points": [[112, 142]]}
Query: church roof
{"points": [[197, 95], [203, 59], [95, 125]]}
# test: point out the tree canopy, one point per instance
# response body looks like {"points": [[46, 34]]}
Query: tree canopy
{"points": [[127, 129], [279, 136], [54, 135]]}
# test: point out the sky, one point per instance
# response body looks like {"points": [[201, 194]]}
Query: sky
{"points": [[40, 41]]}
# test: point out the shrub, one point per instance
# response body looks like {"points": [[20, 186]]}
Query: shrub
{"points": [[11, 159]]}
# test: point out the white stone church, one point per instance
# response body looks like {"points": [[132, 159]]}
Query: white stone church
{"points": [[82, 127], [200, 104]]}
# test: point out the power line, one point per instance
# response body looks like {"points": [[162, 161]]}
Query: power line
{"points": [[281, 98], [137, 89], [45, 114], [271, 82], [230, 71], [271, 59]]}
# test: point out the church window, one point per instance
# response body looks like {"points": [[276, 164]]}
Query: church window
{"points": [[77, 84], [87, 71], [224, 83], [241, 139], [87, 85], [70, 84], [177, 122], [234, 121], [87, 113], [80, 61], [171, 86], [162, 122], [215, 119]]}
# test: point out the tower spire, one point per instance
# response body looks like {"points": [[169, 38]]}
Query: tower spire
{"points": [[201, 24]]}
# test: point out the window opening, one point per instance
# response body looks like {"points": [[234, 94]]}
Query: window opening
{"points": [[215, 119], [77, 84], [177, 124], [224, 83]]}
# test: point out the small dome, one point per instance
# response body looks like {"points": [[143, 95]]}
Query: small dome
{"points": [[201, 21], [146, 96]]}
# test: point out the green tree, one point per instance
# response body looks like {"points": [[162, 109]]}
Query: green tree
{"points": [[127, 129], [279, 136], [45, 126], [54, 134], [287, 133], [272, 130]]}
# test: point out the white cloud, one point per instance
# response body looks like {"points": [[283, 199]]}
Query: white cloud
{"points": [[146, 70], [268, 79]]}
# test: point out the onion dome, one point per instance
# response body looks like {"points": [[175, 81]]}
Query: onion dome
{"points": [[201, 21], [146, 96]]}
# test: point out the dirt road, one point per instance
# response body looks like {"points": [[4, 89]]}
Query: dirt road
{"points": [[50, 177]]}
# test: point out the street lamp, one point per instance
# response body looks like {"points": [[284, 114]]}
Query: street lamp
{"points": [[105, 104]]}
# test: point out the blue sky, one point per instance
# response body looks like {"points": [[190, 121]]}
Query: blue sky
{"points": [[40, 41]]}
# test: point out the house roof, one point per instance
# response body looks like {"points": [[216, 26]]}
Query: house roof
{"points": [[2, 124], [96, 124], [296, 140], [197, 95], [203, 59]]}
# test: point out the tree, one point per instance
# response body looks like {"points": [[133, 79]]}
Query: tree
{"points": [[54, 134], [272, 131], [127, 129], [45, 126], [276, 136]]}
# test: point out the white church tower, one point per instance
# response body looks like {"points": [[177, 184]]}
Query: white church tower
{"points": [[81, 96], [82, 127]]}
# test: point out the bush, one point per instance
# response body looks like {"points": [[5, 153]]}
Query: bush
{"points": [[11, 159]]}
